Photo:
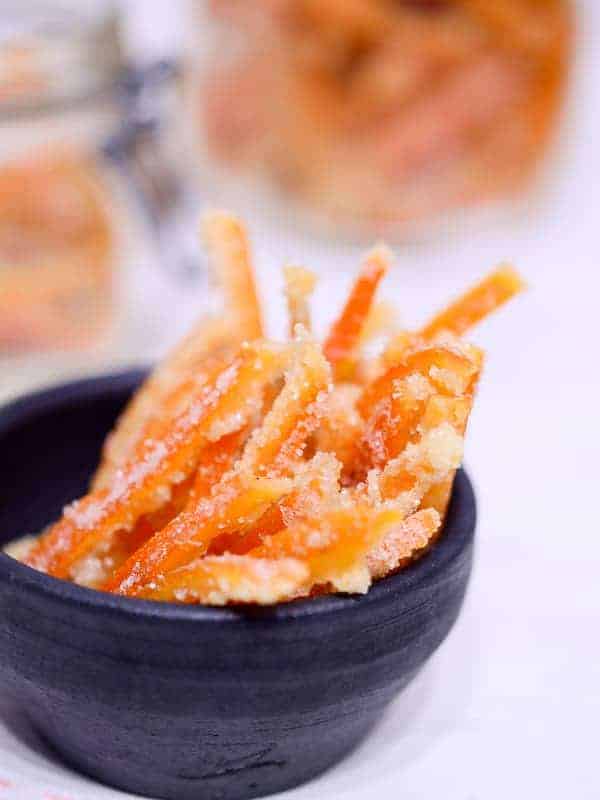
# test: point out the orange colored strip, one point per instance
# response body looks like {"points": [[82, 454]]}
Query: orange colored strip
{"points": [[317, 481], [335, 545], [476, 304], [219, 580], [332, 550], [187, 536], [141, 485], [279, 444], [431, 363], [228, 246], [217, 459], [403, 542], [155, 399], [299, 285], [232, 507], [345, 334]]}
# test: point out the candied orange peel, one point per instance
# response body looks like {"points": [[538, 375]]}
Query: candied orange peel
{"points": [[211, 337], [494, 290], [299, 285], [145, 483], [340, 346], [248, 471], [241, 497], [227, 242]]}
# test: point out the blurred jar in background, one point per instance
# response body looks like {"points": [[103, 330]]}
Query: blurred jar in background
{"points": [[85, 187], [57, 233], [383, 115], [56, 252]]}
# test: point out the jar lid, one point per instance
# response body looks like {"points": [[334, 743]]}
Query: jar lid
{"points": [[56, 52]]}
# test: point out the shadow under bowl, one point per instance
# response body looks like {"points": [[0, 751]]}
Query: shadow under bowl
{"points": [[196, 702]]}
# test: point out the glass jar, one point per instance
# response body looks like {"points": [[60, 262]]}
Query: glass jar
{"points": [[382, 116], [78, 275]]}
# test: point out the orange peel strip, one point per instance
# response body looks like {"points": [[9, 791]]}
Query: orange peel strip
{"points": [[450, 371], [299, 286], [270, 452], [396, 401], [219, 580], [344, 337], [227, 242], [216, 460], [399, 546], [492, 292], [341, 428], [398, 346], [181, 397], [210, 337], [334, 545], [433, 458], [94, 570], [315, 483], [394, 419], [381, 320], [279, 444], [456, 412], [332, 550], [187, 536], [145, 483], [438, 496]]}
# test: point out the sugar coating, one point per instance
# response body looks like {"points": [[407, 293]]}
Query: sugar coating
{"points": [[453, 383], [270, 481], [402, 542], [414, 386], [19, 548], [219, 580]]}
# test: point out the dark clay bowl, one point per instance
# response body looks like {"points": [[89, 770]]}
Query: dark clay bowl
{"points": [[196, 703]]}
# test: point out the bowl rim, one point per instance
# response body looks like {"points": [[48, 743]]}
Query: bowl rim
{"points": [[457, 534]]}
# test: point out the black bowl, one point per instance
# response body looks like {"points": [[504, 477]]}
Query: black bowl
{"points": [[195, 702]]}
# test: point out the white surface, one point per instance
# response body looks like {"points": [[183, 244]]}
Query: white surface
{"points": [[508, 707]]}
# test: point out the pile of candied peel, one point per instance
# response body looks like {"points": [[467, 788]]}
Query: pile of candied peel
{"points": [[251, 471]]}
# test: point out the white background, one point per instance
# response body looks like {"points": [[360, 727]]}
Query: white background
{"points": [[509, 706]]}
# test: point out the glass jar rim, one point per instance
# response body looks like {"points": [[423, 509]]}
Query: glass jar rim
{"points": [[56, 54]]}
